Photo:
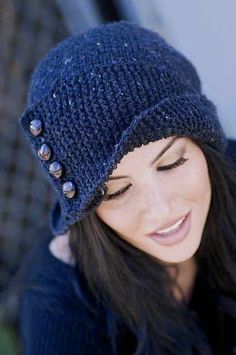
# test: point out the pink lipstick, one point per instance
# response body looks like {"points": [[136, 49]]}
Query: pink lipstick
{"points": [[174, 235]]}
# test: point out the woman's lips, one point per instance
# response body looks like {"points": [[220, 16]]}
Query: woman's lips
{"points": [[171, 237]]}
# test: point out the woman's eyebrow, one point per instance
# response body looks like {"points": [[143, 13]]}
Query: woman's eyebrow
{"points": [[152, 162]]}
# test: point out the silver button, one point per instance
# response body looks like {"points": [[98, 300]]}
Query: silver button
{"points": [[36, 127], [55, 169], [68, 189], [44, 152], [103, 190]]}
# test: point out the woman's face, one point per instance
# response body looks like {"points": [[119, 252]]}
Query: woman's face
{"points": [[157, 198]]}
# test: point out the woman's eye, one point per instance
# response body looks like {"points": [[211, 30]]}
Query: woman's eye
{"points": [[165, 168], [178, 162], [117, 194]]}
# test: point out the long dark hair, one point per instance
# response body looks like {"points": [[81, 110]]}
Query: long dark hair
{"points": [[139, 289]]}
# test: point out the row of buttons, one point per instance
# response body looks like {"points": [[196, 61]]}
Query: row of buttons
{"points": [[44, 153]]}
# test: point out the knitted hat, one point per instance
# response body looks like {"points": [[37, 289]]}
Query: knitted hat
{"points": [[96, 96]]}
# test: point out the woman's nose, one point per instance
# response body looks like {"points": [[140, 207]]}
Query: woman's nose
{"points": [[157, 203]]}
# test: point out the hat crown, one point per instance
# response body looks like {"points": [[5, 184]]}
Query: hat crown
{"points": [[108, 45]]}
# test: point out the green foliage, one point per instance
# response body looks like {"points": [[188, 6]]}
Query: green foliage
{"points": [[9, 342]]}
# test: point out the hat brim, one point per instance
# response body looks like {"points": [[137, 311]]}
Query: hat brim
{"points": [[191, 116]]}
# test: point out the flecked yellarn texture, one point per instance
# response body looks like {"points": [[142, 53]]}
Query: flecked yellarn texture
{"points": [[96, 96]]}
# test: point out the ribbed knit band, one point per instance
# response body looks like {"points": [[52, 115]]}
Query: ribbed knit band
{"points": [[96, 109]]}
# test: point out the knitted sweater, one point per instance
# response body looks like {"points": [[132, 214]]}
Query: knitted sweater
{"points": [[55, 318]]}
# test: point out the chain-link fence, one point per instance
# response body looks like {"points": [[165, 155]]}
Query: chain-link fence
{"points": [[27, 30]]}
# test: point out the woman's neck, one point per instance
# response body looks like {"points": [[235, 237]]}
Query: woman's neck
{"points": [[186, 279]]}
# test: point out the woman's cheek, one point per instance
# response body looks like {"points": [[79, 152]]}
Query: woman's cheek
{"points": [[194, 179], [118, 216]]}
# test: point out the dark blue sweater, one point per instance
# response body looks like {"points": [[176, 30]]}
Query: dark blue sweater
{"points": [[56, 316], [55, 319]]}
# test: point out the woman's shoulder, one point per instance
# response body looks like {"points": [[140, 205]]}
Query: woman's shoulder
{"points": [[53, 277], [56, 314], [45, 260]]}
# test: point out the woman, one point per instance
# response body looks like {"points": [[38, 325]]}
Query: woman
{"points": [[141, 254]]}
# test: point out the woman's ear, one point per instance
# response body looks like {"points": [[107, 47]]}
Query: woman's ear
{"points": [[60, 248]]}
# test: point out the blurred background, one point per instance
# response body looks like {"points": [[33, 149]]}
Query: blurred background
{"points": [[204, 30]]}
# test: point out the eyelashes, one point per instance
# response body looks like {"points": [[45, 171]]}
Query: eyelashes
{"points": [[178, 162], [117, 194], [165, 168]]}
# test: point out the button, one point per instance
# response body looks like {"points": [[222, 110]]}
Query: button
{"points": [[36, 127], [55, 169], [68, 189], [103, 190], [44, 152]]}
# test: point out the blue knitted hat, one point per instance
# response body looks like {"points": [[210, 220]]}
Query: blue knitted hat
{"points": [[96, 96]]}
